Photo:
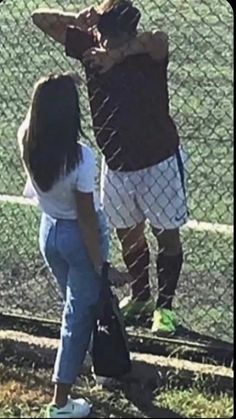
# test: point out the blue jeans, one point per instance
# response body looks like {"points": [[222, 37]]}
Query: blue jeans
{"points": [[64, 251]]}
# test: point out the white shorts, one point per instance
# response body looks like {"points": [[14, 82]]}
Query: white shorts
{"points": [[156, 193]]}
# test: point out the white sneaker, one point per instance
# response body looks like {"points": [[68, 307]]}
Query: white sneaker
{"points": [[74, 409]]}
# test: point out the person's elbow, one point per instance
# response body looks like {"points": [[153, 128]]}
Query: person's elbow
{"points": [[49, 22], [85, 206], [160, 36], [43, 20], [85, 214], [38, 18], [159, 45]]}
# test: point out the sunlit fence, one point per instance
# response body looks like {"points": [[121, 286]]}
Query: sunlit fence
{"points": [[200, 83]]}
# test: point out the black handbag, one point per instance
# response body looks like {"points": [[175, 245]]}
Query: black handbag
{"points": [[110, 352]]}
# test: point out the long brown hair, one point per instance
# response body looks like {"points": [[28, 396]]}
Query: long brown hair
{"points": [[51, 146]]}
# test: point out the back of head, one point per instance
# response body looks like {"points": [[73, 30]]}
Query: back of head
{"points": [[51, 147], [118, 16]]}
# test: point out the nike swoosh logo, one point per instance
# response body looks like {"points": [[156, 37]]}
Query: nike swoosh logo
{"points": [[180, 218]]}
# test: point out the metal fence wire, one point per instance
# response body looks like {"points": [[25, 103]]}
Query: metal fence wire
{"points": [[200, 74]]}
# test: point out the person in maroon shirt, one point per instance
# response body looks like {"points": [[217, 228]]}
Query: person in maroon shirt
{"points": [[143, 172]]}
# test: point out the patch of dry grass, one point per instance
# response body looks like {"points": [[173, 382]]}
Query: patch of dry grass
{"points": [[24, 392]]}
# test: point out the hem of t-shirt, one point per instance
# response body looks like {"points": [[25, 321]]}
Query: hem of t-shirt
{"points": [[84, 190]]}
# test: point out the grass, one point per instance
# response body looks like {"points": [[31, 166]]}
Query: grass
{"points": [[201, 93], [24, 392], [194, 404], [205, 295], [201, 39]]}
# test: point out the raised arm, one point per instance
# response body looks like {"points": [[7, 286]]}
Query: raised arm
{"points": [[55, 22], [155, 44]]}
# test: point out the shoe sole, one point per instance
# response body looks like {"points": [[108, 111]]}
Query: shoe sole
{"points": [[163, 333]]}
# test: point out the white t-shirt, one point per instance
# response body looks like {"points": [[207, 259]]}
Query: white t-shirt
{"points": [[59, 202]]}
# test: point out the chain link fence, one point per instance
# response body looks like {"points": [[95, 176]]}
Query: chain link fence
{"points": [[200, 87]]}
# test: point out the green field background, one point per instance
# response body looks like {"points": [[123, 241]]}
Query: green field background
{"points": [[200, 82]]}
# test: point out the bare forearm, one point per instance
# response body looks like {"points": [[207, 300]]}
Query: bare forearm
{"points": [[54, 22], [137, 45], [155, 44], [90, 231]]}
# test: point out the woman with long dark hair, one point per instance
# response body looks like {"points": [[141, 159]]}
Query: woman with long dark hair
{"points": [[73, 231]]}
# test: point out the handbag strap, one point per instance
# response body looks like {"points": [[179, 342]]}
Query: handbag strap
{"points": [[105, 293]]}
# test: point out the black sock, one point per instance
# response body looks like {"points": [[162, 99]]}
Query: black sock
{"points": [[138, 266], [168, 270]]}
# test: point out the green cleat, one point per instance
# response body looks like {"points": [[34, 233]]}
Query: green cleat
{"points": [[164, 322], [131, 309]]}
